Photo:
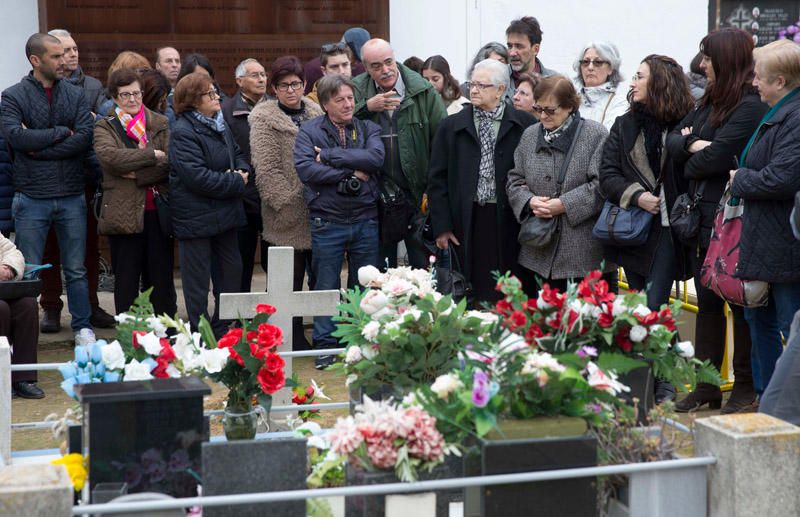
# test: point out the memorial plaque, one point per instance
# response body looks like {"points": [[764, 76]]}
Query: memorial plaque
{"points": [[145, 433], [761, 18], [226, 31]]}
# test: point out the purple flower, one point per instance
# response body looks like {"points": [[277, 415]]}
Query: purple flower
{"points": [[157, 471], [587, 351], [797, 38], [179, 461], [792, 29], [782, 34], [480, 389], [595, 408]]}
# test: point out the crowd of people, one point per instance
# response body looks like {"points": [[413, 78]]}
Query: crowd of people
{"points": [[349, 155]]}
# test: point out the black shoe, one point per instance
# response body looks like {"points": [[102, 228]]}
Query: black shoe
{"points": [[28, 390], [323, 361], [51, 322], [742, 400], [663, 391], [102, 319]]}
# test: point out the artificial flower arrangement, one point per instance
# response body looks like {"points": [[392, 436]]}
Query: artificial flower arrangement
{"points": [[308, 396], [399, 331], [623, 331], [791, 32]]}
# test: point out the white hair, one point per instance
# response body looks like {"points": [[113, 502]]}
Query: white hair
{"points": [[607, 51], [60, 33], [498, 71], [240, 69]]}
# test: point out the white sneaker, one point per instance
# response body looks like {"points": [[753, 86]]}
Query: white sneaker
{"points": [[85, 337]]}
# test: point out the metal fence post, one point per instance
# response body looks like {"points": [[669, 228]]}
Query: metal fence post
{"points": [[5, 402]]}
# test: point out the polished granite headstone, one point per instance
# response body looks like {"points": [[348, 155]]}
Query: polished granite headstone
{"points": [[145, 433], [250, 466]]}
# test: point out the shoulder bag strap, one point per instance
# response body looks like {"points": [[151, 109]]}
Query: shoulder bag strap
{"points": [[608, 103], [117, 125], [568, 158]]}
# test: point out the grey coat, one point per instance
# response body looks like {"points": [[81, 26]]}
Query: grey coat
{"points": [[535, 172]]}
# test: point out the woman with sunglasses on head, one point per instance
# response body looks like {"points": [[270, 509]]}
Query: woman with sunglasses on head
{"points": [[534, 190], [207, 180], [637, 171], [436, 70], [705, 144], [604, 95], [274, 125]]}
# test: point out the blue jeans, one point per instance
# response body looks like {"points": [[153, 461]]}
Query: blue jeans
{"points": [[766, 326], [33, 218], [329, 243]]}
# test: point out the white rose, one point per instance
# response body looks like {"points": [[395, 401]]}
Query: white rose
{"points": [[641, 310], [151, 343], [374, 301], [317, 442], [446, 384], [113, 356], [367, 275], [136, 371], [638, 333], [353, 355], [213, 360], [157, 326], [685, 349], [371, 330]]}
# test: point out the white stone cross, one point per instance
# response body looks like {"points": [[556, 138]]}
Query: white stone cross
{"points": [[288, 302], [5, 402]]}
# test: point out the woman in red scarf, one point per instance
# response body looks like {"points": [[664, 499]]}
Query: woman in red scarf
{"points": [[131, 146]]}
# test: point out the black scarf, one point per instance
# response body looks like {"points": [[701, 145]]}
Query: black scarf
{"points": [[653, 130]]}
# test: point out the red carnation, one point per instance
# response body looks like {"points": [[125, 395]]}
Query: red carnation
{"points": [[252, 335], [274, 362], [271, 381], [235, 356], [167, 353], [503, 307], [264, 308], [622, 339], [518, 319], [605, 320], [258, 351], [269, 335], [160, 371], [135, 338], [230, 338]]}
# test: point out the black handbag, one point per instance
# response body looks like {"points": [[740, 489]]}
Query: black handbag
{"points": [[163, 212], [538, 232], [394, 211], [450, 280], [685, 217]]}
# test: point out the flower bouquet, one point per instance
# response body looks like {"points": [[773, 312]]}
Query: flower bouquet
{"points": [[791, 32], [624, 332], [400, 331]]}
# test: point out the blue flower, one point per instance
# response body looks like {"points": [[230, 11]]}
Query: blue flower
{"points": [[68, 370], [68, 386], [81, 356], [97, 353], [111, 377]]}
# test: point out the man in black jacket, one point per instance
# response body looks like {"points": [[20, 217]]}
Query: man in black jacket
{"points": [[338, 158], [48, 125]]}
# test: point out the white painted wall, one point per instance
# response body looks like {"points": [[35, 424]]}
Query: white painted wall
{"points": [[458, 28], [19, 20]]}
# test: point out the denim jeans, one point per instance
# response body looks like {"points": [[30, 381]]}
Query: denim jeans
{"points": [[766, 326], [329, 243], [33, 218], [662, 274]]}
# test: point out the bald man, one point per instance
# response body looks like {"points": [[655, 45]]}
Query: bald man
{"points": [[408, 110]]}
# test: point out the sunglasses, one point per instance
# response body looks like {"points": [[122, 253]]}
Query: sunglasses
{"points": [[596, 62], [330, 47], [549, 111]]}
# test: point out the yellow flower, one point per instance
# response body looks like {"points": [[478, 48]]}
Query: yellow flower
{"points": [[76, 468]]}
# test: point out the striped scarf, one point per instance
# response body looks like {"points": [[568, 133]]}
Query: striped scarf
{"points": [[135, 126]]}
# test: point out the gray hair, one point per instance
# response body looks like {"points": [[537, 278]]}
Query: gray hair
{"points": [[328, 85], [240, 68], [492, 47], [499, 71], [607, 51], [60, 33]]}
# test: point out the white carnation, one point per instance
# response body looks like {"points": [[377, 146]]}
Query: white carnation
{"points": [[446, 384], [638, 333], [685, 349], [136, 371], [113, 356], [353, 355], [151, 343]]}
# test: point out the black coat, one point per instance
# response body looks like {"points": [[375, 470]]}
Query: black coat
{"points": [[236, 110], [453, 181], [715, 162], [49, 152], [620, 170], [6, 188], [767, 182], [205, 200]]}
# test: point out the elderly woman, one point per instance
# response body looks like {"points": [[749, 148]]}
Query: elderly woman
{"points": [[533, 189], [436, 70], [492, 50], [472, 154], [131, 146], [206, 182], [523, 95], [599, 83], [274, 126], [767, 181]]}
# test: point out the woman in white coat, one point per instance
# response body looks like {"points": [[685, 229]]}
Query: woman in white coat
{"points": [[599, 83]]}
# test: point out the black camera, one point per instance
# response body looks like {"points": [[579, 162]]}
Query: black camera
{"points": [[349, 186]]}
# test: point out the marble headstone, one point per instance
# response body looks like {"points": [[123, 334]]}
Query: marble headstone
{"points": [[35, 491]]}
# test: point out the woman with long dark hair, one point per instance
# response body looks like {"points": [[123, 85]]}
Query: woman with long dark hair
{"points": [[436, 70], [706, 143], [637, 171]]}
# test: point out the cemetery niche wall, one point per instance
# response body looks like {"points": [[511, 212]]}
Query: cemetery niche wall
{"points": [[761, 18], [226, 31]]}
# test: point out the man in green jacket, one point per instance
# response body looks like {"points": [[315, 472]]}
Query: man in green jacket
{"points": [[409, 110]]}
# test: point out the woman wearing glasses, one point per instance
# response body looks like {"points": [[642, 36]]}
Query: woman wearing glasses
{"points": [[534, 190], [599, 83], [274, 125], [131, 145], [472, 154], [206, 181]]}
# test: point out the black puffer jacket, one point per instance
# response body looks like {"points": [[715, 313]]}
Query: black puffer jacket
{"points": [[713, 163], [92, 88], [6, 188], [767, 182], [49, 151], [205, 200]]}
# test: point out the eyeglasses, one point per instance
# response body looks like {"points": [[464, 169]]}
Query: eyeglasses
{"points": [[596, 62], [638, 77], [330, 47], [549, 111], [212, 94], [479, 86], [126, 96], [285, 87], [257, 75]]}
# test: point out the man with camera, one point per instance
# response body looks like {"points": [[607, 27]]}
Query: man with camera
{"points": [[337, 157]]}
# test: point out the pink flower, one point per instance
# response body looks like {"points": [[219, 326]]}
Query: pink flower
{"points": [[381, 451], [424, 441], [345, 437]]}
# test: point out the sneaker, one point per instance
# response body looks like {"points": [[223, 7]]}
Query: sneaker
{"points": [[102, 319], [85, 337], [323, 361]]}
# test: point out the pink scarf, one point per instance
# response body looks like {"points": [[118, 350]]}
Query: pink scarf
{"points": [[135, 126]]}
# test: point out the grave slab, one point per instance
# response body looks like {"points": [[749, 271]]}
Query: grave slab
{"points": [[5, 402], [35, 491], [757, 471]]}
